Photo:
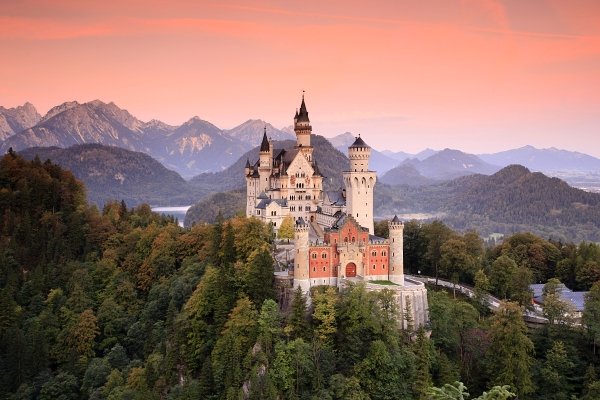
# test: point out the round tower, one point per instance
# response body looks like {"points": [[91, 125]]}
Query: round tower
{"points": [[359, 183], [301, 278], [396, 253]]}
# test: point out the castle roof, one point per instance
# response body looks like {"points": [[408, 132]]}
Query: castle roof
{"points": [[317, 172], [395, 219], [262, 195], [335, 197], [247, 163], [303, 113], [265, 202], [300, 222], [359, 143], [264, 146]]}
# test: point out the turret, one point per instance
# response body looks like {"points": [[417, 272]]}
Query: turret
{"points": [[396, 268], [359, 183], [302, 126], [265, 163], [301, 278]]}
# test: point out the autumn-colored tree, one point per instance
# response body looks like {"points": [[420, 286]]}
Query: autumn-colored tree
{"points": [[286, 230]]}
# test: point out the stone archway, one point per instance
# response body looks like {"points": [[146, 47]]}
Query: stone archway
{"points": [[350, 270]]}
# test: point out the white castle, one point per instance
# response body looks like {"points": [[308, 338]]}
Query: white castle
{"points": [[334, 237]]}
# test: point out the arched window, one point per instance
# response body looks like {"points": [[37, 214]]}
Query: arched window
{"points": [[313, 255], [324, 255]]}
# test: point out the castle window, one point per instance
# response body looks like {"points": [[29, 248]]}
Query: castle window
{"points": [[374, 253], [373, 266], [307, 197], [299, 208], [313, 255], [324, 255], [274, 223], [324, 269], [383, 266], [314, 269], [346, 240], [307, 208], [353, 239]]}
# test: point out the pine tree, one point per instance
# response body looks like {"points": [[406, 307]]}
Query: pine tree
{"points": [[297, 323], [510, 355]]}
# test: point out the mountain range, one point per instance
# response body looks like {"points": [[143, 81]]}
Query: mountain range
{"points": [[198, 146], [194, 147], [441, 166]]}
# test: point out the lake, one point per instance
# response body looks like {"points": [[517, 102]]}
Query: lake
{"points": [[177, 212]]}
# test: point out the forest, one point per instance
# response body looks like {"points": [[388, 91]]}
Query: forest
{"points": [[121, 303]]}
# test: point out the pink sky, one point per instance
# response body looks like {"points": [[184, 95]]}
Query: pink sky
{"points": [[476, 75]]}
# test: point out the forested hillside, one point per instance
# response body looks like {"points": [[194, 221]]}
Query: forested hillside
{"points": [[124, 304], [511, 200], [112, 173]]}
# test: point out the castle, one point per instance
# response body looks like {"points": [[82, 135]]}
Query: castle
{"points": [[334, 234]]}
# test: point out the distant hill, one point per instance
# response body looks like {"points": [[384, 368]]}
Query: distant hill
{"points": [[113, 173], [545, 160], [251, 132], [441, 166], [379, 162], [401, 155], [512, 199], [406, 174], [206, 210], [14, 120]]}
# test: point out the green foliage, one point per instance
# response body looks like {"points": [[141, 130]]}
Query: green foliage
{"points": [[123, 303], [510, 355]]}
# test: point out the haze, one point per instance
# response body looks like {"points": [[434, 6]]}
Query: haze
{"points": [[476, 75]]}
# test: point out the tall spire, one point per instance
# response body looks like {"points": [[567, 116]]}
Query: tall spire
{"points": [[264, 146], [303, 113]]}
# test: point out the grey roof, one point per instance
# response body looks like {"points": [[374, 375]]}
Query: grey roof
{"points": [[373, 238], [300, 221], [395, 219], [247, 163], [359, 143], [575, 299], [335, 197], [262, 195], [264, 203]]}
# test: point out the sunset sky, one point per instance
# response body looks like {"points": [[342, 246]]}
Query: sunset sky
{"points": [[475, 75]]}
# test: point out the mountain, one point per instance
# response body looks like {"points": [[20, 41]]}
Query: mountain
{"points": [[441, 166], [379, 162], [14, 120], [513, 199], [545, 160], [113, 173], [401, 156], [194, 147], [406, 174], [197, 146], [251, 132], [73, 123]]}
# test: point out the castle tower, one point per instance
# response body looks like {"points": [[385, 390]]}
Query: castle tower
{"points": [[301, 277], [265, 163], [250, 189], [396, 268], [303, 131], [359, 183]]}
